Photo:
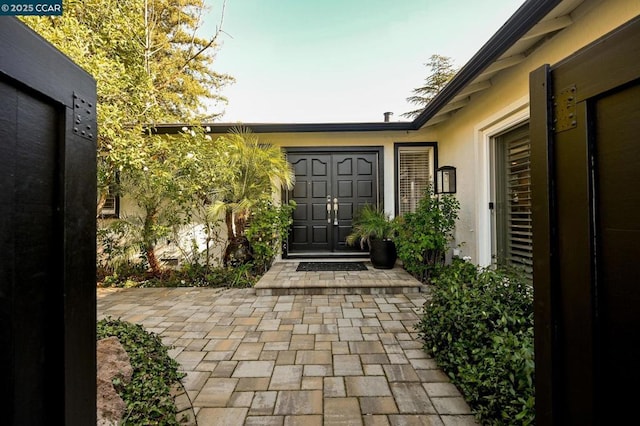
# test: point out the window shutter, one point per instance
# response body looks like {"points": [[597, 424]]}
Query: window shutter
{"points": [[519, 203], [515, 234], [414, 177], [110, 207]]}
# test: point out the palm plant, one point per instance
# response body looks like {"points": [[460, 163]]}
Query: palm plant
{"points": [[372, 226], [370, 222], [257, 169]]}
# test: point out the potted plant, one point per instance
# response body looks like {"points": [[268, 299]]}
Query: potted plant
{"points": [[373, 227]]}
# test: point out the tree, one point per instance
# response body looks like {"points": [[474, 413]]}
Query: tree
{"points": [[178, 61], [150, 66], [258, 169], [179, 175], [441, 71]]}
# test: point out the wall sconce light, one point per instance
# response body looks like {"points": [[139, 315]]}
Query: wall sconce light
{"points": [[446, 180]]}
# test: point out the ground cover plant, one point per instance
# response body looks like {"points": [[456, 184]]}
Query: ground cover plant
{"points": [[479, 328], [190, 275], [148, 395]]}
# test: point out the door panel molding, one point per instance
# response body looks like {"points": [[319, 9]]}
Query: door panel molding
{"points": [[348, 178]]}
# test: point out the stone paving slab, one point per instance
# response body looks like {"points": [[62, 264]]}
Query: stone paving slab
{"points": [[283, 279], [350, 359]]}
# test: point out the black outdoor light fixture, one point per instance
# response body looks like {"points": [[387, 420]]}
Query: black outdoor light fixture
{"points": [[446, 180]]}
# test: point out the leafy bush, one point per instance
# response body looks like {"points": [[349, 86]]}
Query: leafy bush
{"points": [[190, 275], [370, 222], [268, 227], [202, 276], [117, 245], [148, 395], [479, 328], [424, 235]]}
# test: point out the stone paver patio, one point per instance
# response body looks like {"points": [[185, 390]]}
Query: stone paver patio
{"points": [[351, 359]]}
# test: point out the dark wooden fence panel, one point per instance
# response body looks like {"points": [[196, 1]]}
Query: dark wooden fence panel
{"points": [[47, 233]]}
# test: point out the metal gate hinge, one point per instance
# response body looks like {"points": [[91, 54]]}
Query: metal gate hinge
{"points": [[84, 117], [564, 110]]}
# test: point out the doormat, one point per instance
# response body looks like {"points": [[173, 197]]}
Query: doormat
{"points": [[331, 266]]}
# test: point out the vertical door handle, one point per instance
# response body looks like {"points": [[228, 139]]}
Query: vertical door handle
{"points": [[335, 211], [329, 209]]}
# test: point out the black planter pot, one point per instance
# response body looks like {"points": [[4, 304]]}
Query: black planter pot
{"points": [[383, 254]]}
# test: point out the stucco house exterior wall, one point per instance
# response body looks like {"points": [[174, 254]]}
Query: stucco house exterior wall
{"points": [[465, 136], [383, 139], [464, 141]]}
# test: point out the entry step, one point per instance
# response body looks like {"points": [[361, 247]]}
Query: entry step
{"points": [[284, 279]]}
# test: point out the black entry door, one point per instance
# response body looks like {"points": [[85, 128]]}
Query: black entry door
{"points": [[586, 227], [330, 187]]}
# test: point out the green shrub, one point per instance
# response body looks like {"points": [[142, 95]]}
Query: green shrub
{"points": [[424, 235], [190, 275], [202, 276], [268, 228], [117, 247], [479, 328], [148, 395]]}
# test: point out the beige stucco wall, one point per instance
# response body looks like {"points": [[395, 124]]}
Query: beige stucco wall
{"points": [[385, 140], [463, 140], [173, 246]]}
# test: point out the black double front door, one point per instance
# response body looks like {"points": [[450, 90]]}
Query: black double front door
{"points": [[329, 188]]}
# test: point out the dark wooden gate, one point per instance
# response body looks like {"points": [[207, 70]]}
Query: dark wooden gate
{"points": [[47, 233], [330, 187], [585, 124]]}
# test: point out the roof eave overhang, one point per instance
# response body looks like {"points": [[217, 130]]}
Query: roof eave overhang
{"points": [[517, 26], [291, 127]]}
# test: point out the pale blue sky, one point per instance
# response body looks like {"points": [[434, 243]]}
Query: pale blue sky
{"points": [[298, 61]]}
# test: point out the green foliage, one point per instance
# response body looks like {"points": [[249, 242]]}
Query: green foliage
{"points": [[148, 395], [441, 71], [190, 275], [177, 177], [370, 222], [479, 328], [150, 64], [424, 235], [268, 228], [202, 276], [257, 170], [117, 245]]}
